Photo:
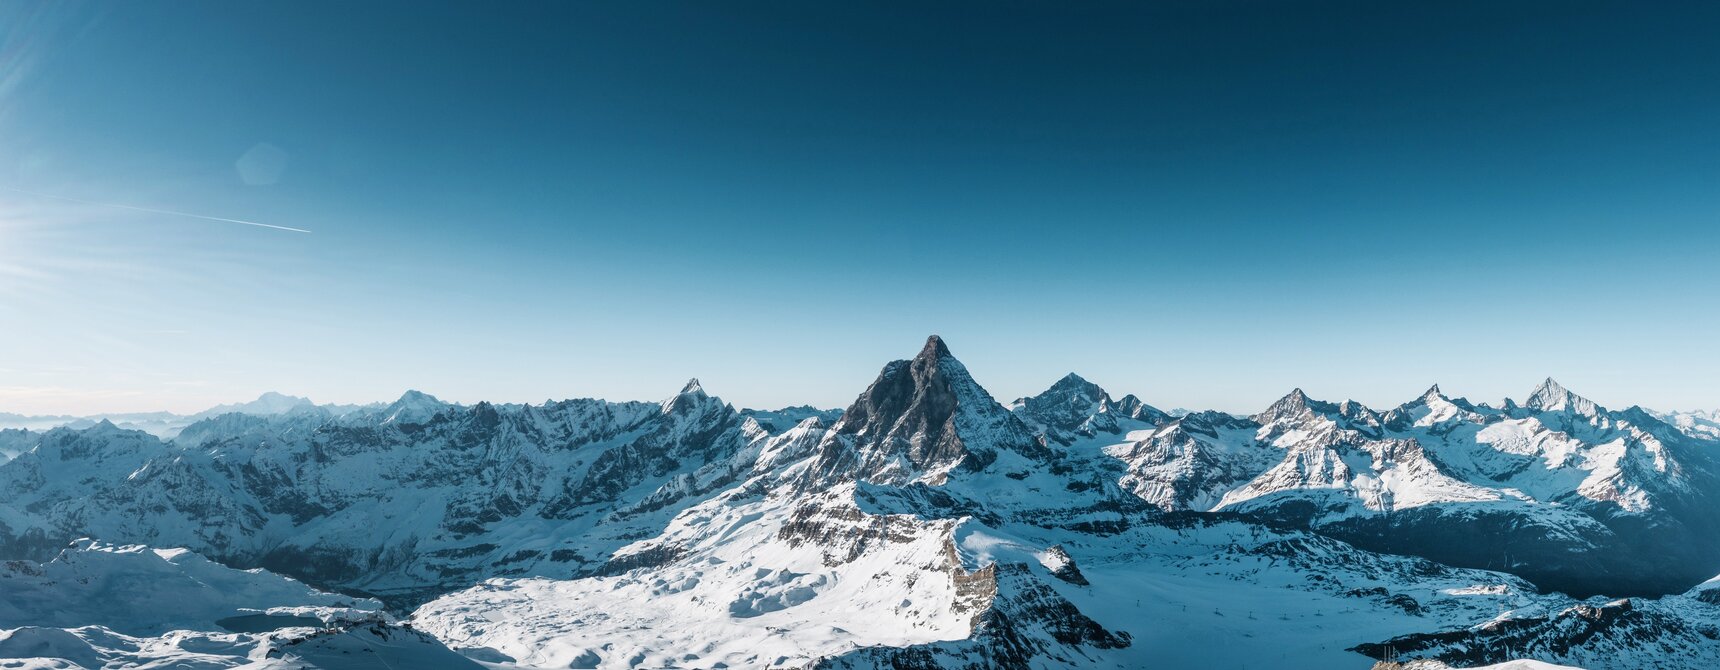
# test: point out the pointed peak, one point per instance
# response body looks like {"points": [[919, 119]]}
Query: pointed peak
{"points": [[1292, 404], [1074, 383], [1550, 396], [693, 387], [692, 396], [1432, 393], [934, 349]]}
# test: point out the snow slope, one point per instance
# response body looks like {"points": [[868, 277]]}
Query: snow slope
{"points": [[99, 605]]}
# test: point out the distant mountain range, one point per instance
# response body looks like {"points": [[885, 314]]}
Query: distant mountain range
{"points": [[166, 425], [926, 525]]}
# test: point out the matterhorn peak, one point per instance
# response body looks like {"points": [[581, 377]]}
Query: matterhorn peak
{"points": [[1432, 393], [934, 349], [919, 419]]}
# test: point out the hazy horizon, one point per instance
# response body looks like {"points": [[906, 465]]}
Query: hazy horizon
{"points": [[1002, 398], [1204, 204]]}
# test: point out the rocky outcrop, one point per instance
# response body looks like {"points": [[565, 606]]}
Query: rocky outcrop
{"points": [[1593, 635]]}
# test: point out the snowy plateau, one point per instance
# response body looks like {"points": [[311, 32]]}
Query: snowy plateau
{"points": [[925, 526]]}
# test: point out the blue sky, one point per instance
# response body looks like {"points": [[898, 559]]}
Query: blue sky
{"points": [[1206, 204]]}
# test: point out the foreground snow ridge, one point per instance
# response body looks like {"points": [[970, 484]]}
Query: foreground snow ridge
{"points": [[924, 526]]}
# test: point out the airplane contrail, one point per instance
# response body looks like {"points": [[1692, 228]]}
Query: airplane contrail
{"points": [[153, 211]]}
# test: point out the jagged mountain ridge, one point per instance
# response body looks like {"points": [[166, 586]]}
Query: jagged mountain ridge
{"points": [[308, 493], [1016, 541], [1618, 498]]}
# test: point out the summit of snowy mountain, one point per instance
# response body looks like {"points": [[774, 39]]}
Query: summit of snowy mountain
{"points": [[1294, 405], [692, 395], [413, 407], [267, 404], [1074, 408], [1069, 387], [1551, 397]]}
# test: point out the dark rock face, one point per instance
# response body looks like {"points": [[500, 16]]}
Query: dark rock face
{"points": [[910, 413], [1584, 633], [1066, 405], [921, 417], [844, 531], [1065, 568], [1616, 558]]}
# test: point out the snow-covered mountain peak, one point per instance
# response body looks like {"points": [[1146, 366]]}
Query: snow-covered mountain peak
{"points": [[278, 400], [1551, 397], [1292, 406], [416, 397], [1074, 383], [413, 407], [692, 399], [1069, 395], [268, 404], [1074, 407], [1431, 408]]}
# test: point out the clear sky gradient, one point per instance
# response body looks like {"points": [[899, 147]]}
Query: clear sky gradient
{"points": [[1203, 203]]}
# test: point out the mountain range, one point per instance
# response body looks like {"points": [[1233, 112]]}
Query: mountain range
{"points": [[926, 525]]}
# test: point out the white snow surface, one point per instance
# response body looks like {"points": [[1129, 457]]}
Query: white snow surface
{"points": [[99, 605]]}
